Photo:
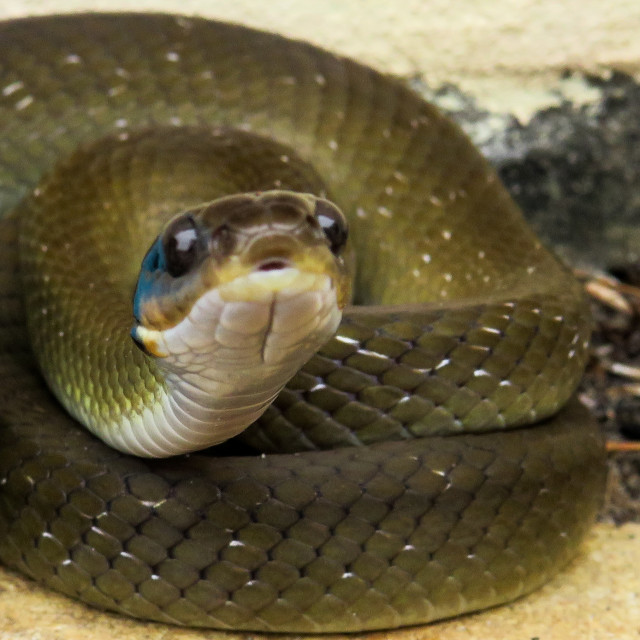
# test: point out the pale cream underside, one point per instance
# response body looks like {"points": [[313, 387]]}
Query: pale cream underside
{"points": [[228, 359]]}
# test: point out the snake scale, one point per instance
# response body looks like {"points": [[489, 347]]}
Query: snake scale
{"points": [[399, 497]]}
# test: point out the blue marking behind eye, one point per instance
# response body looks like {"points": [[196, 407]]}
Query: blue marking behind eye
{"points": [[152, 263]]}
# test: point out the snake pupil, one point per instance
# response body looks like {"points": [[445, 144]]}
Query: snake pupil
{"points": [[333, 223], [180, 246]]}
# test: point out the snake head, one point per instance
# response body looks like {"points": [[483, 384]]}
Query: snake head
{"points": [[247, 248]]}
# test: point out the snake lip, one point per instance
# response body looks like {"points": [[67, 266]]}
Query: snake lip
{"points": [[273, 264]]}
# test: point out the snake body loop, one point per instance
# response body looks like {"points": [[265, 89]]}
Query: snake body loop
{"points": [[439, 497]]}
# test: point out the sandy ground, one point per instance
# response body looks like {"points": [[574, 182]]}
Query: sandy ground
{"points": [[510, 54]]}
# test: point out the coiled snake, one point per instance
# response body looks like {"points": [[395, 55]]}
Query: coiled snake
{"points": [[462, 325]]}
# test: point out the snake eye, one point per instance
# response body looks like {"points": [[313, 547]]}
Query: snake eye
{"points": [[333, 223], [180, 245]]}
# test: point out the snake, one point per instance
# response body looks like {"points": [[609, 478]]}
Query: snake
{"points": [[326, 369]]}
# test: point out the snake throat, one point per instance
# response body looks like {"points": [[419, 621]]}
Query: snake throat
{"points": [[228, 359]]}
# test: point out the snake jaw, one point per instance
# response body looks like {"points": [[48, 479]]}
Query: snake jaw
{"points": [[147, 340]]}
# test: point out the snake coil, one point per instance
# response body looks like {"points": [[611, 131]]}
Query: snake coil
{"points": [[463, 325]]}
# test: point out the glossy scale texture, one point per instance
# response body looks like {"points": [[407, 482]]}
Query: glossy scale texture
{"points": [[410, 520]]}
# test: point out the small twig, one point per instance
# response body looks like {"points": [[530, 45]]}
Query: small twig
{"points": [[628, 371], [609, 293], [622, 447]]}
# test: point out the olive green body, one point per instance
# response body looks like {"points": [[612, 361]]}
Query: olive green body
{"points": [[470, 326]]}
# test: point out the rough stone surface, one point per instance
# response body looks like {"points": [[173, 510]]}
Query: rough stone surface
{"points": [[573, 167]]}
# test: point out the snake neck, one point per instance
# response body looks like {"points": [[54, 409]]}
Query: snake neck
{"points": [[221, 375], [222, 339]]}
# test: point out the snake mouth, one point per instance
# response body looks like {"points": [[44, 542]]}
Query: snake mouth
{"points": [[273, 264]]}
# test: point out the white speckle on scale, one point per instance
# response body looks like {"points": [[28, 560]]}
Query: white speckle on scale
{"points": [[373, 354], [320, 79], [435, 201], [446, 234], [531, 270], [333, 145], [448, 277], [388, 190], [24, 103], [361, 213], [73, 58], [426, 258], [285, 159], [12, 88], [481, 254], [172, 56], [117, 90], [175, 121], [121, 123], [383, 211], [416, 273]]}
